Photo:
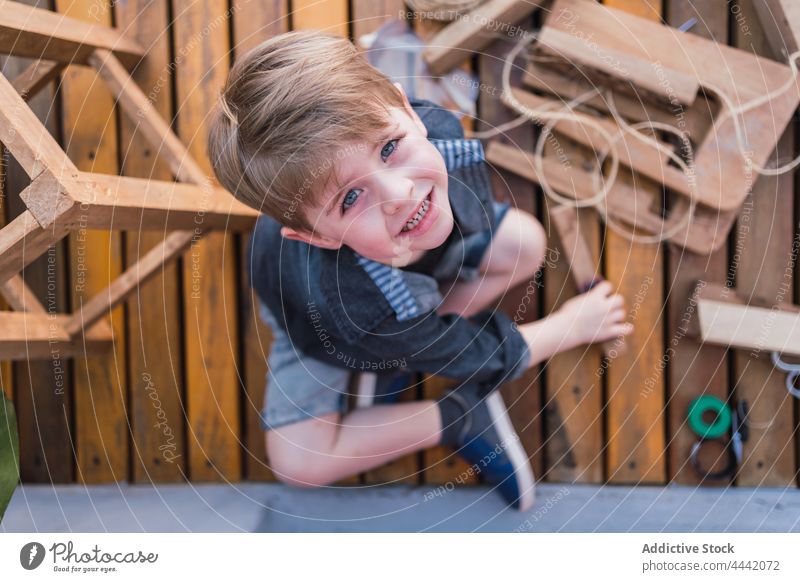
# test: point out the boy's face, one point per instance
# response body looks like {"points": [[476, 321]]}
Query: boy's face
{"points": [[393, 204]]}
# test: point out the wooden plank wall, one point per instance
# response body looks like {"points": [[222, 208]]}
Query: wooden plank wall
{"points": [[187, 405]]}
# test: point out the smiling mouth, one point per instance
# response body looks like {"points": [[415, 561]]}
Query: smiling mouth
{"points": [[414, 221]]}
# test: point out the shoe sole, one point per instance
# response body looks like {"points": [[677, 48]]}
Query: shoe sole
{"points": [[516, 453]]}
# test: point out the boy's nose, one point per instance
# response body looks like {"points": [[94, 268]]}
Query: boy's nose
{"points": [[398, 197]]}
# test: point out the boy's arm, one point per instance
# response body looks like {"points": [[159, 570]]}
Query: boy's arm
{"points": [[486, 347]]}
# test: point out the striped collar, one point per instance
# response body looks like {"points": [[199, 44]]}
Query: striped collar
{"points": [[459, 153]]}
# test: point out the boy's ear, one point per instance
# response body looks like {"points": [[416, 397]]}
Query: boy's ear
{"points": [[310, 238], [410, 110]]}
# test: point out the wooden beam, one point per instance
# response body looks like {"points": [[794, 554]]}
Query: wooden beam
{"points": [[19, 296], [643, 159], [619, 69], [121, 202], [128, 282], [584, 268], [749, 327], [29, 336], [22, 241], [568, 85], [474, 31], [42, 34], [26, 138], [582, 264], [140, 110], [706, 233], [36, 77]]}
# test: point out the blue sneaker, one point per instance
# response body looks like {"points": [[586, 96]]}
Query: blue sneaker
{"points": [[489, 443], [372, 388]]}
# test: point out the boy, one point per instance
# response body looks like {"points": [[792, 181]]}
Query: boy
{"points": [[380, 249]]}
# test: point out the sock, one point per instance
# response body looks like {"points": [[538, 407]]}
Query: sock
{"points": [[454, 416]]}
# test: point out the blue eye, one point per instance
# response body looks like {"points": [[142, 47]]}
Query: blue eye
{"points": [[350, 199], [389, 149]]}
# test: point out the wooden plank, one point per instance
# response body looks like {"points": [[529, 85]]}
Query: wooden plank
{"points": [[706, 232], [329, 15], [27, 336], [645, 160], [145, 268], [619, 70], [721, 170], [253, 23], [332, 16], [441, 464], [44, 387], [760, 263], [32, 32], [469, 35], [368, 16], [574, 380], [749, 328], [90, 132], [35, 77], [636, 381], [150, 122], [155, 370], [19, 296], [568, 85], [22, 241], [694, 368], [523, 396], [210, 332], [26, 138], [121, 202], [780, 20]]}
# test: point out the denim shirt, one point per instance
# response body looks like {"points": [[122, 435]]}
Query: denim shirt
{"points": [[335, 305]]}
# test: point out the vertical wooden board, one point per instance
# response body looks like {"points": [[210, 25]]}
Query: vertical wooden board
{"points": [[763, 270], [155, 371], [573, 411], [253, 23], [331, 16], [90, 135], [522, 396], [328, 15], [369, 16], [636, 378], [694, 368], [209, 278], [441, 464], [42, 386]]}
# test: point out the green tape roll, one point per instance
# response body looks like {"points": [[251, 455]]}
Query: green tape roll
{"points": [[722, 417]]}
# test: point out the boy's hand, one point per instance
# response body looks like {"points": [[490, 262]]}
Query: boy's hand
{"points": [[597, 315]]}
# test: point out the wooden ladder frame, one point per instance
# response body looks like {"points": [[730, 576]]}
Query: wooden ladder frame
{"points": [[61, 198]]}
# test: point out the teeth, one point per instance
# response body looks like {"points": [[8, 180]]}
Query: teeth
{"points": [[411, 224]]}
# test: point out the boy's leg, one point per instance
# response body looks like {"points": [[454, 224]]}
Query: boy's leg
{"points": [[326, 449], [515, 253]]}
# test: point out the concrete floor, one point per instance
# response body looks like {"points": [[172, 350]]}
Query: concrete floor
{"points": [[272, 507]]}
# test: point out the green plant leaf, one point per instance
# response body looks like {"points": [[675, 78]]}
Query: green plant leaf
{"points": [[9, 453]]}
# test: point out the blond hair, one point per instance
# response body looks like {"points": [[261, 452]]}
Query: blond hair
{"points": [[287, 108]]}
